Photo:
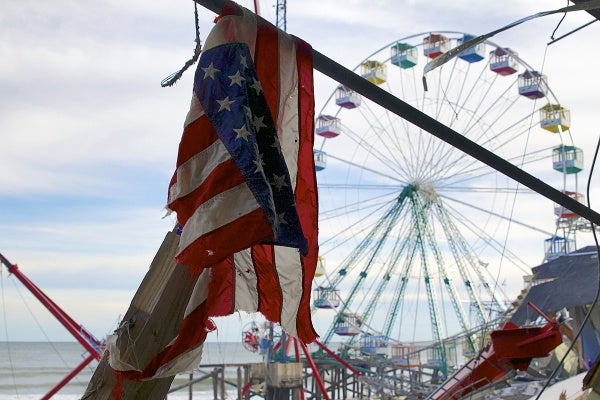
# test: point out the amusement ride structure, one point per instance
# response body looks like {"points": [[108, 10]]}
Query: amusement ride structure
{"points": [[92, 345], [415, 235]]}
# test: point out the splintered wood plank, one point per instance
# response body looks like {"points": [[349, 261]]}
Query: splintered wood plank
{"points": [[151, 322]]}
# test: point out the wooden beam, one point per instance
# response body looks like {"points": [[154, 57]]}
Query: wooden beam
{"points": [[151, 322]]}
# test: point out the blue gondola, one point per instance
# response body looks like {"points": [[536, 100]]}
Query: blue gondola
{"points": [[320, 160], [472, 54]]}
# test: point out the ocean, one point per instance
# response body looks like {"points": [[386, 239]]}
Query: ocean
{"points": [[29, 370]]}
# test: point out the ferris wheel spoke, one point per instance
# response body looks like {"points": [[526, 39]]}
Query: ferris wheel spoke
{"points": [[377, 131], [473, 122], [395, 254], [383, 140], [477, 115], [479, 171], [409, 248], [493, 139], [462, 103], [481, 233], [468, 265], [363, 224], [365, 254], [509, 134], [496, 109], [441, 267], [474, 170], [360, 206], [395, 178]]}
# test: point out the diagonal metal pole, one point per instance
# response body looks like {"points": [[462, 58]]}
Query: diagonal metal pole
{"points": [[404, 110]]}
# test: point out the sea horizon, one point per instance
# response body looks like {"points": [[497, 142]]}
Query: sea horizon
{"points": [[30, 369]]}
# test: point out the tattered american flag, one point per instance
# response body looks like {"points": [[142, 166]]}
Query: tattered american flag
{"points": [[245, 189]]}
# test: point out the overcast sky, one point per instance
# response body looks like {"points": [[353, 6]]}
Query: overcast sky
{"points": [[88, 137]]}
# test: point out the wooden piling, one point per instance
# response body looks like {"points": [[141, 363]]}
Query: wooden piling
{"points": [[151, 322]]}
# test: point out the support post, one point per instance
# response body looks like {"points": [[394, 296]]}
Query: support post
{"points": [[239, 386], [223, 383], [316, 374], [151, 322], [215, 383], [297, 355]]}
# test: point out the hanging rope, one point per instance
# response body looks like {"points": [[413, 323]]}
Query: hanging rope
{"points": [[559, 23], [174, 77]]}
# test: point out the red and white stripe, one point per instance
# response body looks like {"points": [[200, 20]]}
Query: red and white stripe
{"points": [[273, 280]]}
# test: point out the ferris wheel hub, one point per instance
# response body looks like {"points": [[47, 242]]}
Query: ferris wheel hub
{"points": [[426, 190]]}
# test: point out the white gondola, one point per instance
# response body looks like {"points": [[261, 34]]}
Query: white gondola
{"points": [[374, 345], [563, 212], [567, 159], [503, 61], [404, 55], [320, 271], [555, 118], [557, 246], [405, 355], [374, 71], [440, 356], [347, 98], [328, 126], [533, 84], [326, 297], [348, 324], [435, 45]]}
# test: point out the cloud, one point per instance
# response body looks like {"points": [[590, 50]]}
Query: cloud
{"points": [[89, 138]]}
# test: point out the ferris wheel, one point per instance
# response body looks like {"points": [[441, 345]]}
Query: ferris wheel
{"points": [[414, 234]]}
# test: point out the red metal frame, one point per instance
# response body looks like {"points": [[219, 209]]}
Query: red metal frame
{"points": [[338, 358], [316, 374], [82, 335], [297, 353], [511, 348]]}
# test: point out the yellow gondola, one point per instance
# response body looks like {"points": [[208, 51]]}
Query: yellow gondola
{"points": [[374, 71], [555, 118]]}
